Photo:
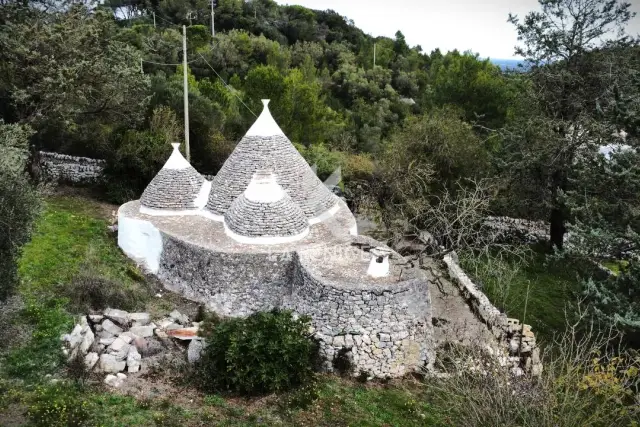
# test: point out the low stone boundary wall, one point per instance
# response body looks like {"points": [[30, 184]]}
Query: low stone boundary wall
{"points": [[509, 230], [76, 170], [518, 339]]}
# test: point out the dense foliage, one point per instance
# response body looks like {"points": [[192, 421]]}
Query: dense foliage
{"points": [[19, 201], [263, 353], [426, 141]]}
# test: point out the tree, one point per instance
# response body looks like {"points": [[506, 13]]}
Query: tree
{"points": [[563, 43], [64, 70], [474, 85], [19, 201]]}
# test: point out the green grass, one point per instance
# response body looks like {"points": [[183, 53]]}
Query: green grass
{"points": [[545, 289], [615, 266], [69, 236]]}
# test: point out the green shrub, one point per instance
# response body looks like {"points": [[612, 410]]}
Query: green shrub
{"points": [[19, 202], [263, 353], [59, 406]]}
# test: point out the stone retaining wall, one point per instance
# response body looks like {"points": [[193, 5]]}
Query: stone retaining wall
{"points": [[380, 330], [77, 170], [519, 341]]}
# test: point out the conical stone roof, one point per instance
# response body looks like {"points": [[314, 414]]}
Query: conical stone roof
{"points": [[264, 213], [265, 147], [177, 187]]}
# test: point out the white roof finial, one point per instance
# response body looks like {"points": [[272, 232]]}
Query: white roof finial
{"points": [[265, 125], [176, 160]]}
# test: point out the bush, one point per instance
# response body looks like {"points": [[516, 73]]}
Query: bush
{"points": [[59, 406], [134, 163], [581, 384], [19, 202], [263, 353]]}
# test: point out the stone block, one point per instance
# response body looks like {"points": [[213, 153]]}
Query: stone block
{"points": [[120, 317]]}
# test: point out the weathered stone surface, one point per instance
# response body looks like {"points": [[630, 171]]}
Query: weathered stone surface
{"points": [[63, 168], [148, 347], [173, 189], [90, 360], [194, 352], [115, 381], [133, 360], [178, 317], [87, 341], [96, 318], [119, 349], [107, 341], [109, 364], [142, 331], [140, 319], [111, 327], [275, 153], [120, 317]]}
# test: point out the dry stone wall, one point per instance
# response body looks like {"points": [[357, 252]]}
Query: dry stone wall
{"points": [[71, 169], [380, 330], [506, 229], [518, 340]]}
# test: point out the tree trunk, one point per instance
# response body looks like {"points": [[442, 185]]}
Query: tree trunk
{"points": [[557, 229]]}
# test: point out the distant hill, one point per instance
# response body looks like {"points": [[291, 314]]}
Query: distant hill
{"points": [[509, 64]]}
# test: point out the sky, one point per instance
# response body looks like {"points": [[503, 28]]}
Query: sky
{"points": [[479, 26]]}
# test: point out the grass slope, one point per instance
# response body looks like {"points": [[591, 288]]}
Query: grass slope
{"points": [[70, 237], [536, 292]]}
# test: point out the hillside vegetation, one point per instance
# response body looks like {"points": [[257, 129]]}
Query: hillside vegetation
{"points": [[430, 144]]}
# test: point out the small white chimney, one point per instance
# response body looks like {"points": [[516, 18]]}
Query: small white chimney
{"points": [[379, 265]]}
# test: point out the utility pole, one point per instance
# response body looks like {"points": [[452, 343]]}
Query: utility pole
{"points": [[141, 67], [186, 93], [213, 14], [154, 19], [374, 55]]}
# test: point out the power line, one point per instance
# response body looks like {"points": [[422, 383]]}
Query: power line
{"points": [[162, 63], [227, 86]]}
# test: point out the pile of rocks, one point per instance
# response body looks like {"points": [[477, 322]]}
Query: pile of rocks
{"points": [[117, 341]]}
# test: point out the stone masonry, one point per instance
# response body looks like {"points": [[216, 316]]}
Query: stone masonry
{"points": [[76, 170]]}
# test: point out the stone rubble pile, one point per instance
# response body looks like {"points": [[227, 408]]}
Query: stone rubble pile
{"points": [[117, 341], [519, 351]]}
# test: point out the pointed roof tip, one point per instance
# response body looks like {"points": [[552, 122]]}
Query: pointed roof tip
{"points": [[265, 125], [176, 160]]}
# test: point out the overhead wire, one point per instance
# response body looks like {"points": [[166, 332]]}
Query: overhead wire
{"points": [[226, 85], [195, 60]]}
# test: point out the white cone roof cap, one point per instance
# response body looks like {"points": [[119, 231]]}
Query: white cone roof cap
{"points": [[176, 160], [265, 125]]}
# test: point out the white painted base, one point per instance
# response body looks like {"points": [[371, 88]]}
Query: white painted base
{"points": [[378, 269], [203, 196], [168, 212], [354, 230], [264, 240], [326, 215], [141, 241]]}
